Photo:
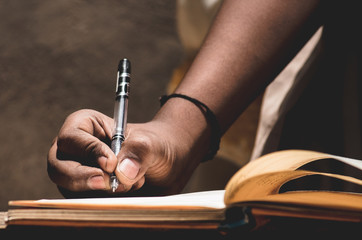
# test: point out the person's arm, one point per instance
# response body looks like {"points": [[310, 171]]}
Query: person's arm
{"points": [[248, 45]]}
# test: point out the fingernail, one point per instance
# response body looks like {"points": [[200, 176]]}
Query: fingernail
{"points": [[96, 182], [129, 168]]}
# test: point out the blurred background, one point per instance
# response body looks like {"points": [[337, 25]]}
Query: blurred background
{"points": [[60, 56]]}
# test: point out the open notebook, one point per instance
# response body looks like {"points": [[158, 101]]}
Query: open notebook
{"points": [[291, 184]]}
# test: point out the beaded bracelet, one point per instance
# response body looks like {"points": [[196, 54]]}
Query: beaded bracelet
{"points": [[210, 117]]}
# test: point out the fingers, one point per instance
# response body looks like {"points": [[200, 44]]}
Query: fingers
{"points": [[84, 136], [72, 175], [80, 158]]}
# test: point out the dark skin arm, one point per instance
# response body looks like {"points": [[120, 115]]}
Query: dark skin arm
{"points": [[248, 45]]}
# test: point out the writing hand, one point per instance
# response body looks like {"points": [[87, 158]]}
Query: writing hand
{"points": [[80, 159]]}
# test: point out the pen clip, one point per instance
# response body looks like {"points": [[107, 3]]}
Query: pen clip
{"points": [[123, 78]]}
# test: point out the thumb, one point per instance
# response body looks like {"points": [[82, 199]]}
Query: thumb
{"points": [[129, 168], [135, 159]]}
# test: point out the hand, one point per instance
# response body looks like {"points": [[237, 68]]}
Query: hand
{"points": [[80, 159]]}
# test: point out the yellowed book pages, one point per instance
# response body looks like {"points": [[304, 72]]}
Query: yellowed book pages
{"points": [[287, 183]]}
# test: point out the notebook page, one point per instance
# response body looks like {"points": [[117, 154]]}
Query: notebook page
{"points": [[209, 199]]}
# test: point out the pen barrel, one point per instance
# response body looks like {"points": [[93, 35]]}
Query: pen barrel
{"points": [[116, 144], [121, 104], [120, 116], [120, 121]]}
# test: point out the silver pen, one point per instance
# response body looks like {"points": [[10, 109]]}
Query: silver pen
{"points": [[120, 112]]}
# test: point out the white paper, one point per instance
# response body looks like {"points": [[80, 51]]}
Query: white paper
{"points": [[211, 199]]}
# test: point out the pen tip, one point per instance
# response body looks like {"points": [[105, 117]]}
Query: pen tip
{"points": [[114, 183]]}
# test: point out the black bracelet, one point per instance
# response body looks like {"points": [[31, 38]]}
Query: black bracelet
{"points": [[210, 117]]}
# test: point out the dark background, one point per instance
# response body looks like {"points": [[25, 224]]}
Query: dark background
{"points": [[60, 56]]}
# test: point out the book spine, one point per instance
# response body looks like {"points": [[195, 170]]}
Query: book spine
{"points": [[237, 219]]}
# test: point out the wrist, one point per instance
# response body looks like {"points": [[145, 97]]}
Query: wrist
{"points": [[195, 122], [211, 120]]}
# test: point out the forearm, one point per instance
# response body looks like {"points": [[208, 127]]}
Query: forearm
{"points": [[249, 43]]}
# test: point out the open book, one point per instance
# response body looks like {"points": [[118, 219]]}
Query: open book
{"points": [[291, 183]]}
